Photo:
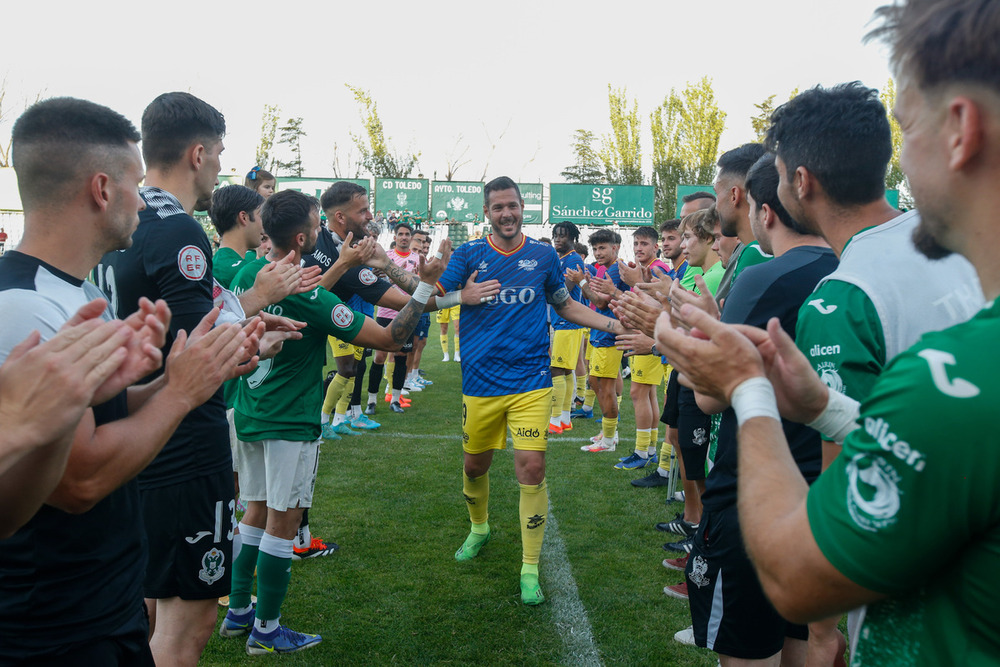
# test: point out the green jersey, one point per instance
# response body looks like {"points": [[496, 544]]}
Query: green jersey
{"points": [[924, 462], [840, 333], [713, 277], [687, 280], [226, 263], [282, 399], [751, 255]]}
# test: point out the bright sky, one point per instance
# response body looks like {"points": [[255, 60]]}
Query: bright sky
{"points": [[518, 75]]}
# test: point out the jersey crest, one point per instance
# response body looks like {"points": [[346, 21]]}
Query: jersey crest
{"points": [[342, 315], [192, 263]]}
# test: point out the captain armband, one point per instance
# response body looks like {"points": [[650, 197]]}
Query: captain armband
{"points": [[754, 398], [839, 417]]}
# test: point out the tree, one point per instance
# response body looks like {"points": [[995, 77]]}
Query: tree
{"points": [[7, 117], [456, 159], [686, 129], [587, 168], [291, 135], [377, 156], [351, 168], [268, 130], [621, 152], [894, 176], [762, 120]]}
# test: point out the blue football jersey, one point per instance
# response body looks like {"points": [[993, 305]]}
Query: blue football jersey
{"points": [[505, 341], [570, 261], [603, 338]]}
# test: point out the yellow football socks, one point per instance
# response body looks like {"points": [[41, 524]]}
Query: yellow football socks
{"points": [[642, 442], [534, 507], [558, 391], [477, 497], [333, 393]]}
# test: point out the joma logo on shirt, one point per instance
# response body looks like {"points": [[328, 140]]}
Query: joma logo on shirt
{"points": [[818, 305], [878, 429]]}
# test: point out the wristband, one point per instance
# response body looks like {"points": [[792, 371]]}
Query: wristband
{"points": [[449, 300], [583, 283], [754, 398], [839, 417], [423, 292]]}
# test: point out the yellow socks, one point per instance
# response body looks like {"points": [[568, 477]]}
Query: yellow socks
{"points": [[581, 384], [456, 345], [608, 427], [444, 344], [568, 393], [477, 498], [345, 398], [589, 396], [534, 508], [642, 442], [558, 391], [333, 393], [654, 437]]}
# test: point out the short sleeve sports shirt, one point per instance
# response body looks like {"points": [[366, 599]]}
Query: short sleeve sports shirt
{"points": [[911, 507], [505, 341], [283, 397]]}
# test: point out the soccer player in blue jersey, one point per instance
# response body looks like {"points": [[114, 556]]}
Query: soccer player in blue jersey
{"points": [[516, 394], [606, 359], [567, 336]]}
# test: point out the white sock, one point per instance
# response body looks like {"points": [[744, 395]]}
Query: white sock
{"points": [[372, 398], [323, 418], [395, 395], [662, 472], [339, 418], [554, 421], [354, 411], [303, 538], [564, 417]]}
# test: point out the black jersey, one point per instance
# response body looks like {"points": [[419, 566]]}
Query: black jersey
{"points": [[773, 289], [171, 259], [359, 280], [64, 578]]}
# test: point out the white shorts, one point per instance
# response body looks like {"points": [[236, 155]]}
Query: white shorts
{"points": [[281, 472], [230, 416]]}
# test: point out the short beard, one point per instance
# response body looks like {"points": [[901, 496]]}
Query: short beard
{"points": [[927, 243]]}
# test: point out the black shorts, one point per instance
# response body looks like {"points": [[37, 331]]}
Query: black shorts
{"points": [[189, 527], [385, 321], [669, 416], [694, 431], [730, 613], [127, 646]]}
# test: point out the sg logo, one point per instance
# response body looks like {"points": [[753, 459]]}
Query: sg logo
{"points": [[603, 195]]}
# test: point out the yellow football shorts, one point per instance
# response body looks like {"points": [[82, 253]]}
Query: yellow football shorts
{"points": [[605, 362], [446, 314], [646, 369], [340, 348], [566, 348], [485, 420]]}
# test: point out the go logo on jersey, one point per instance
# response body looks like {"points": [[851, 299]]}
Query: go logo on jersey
{"points": [[513, 295]]}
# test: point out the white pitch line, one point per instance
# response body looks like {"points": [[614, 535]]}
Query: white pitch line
{"points": [[567, 608]]}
